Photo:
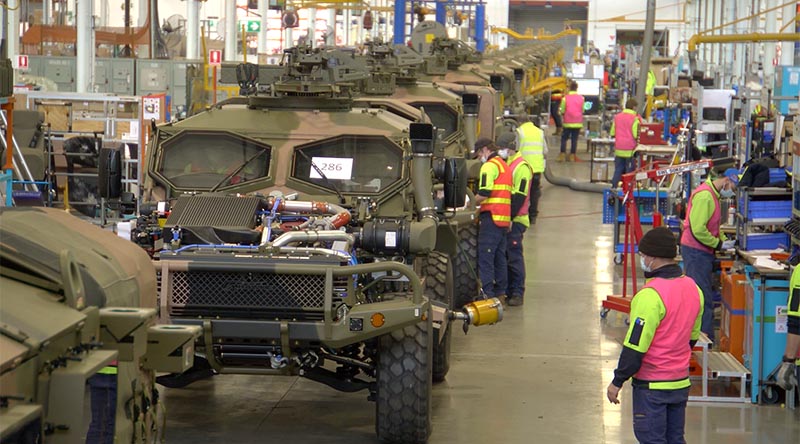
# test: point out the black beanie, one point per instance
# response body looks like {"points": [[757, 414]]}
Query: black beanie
{"points": [[659, 242]]}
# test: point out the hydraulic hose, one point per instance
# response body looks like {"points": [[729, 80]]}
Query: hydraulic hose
{"points": [[573, 183]]}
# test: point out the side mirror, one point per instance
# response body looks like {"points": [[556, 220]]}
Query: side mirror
{"points": [[455, 182], [109, 172]]}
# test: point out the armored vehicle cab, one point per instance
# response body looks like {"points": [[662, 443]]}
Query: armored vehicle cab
{"points": [[299, 229]]}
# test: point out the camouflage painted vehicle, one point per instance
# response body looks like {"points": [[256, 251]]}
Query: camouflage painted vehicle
{"points": [[68, 310], [303, 236]]}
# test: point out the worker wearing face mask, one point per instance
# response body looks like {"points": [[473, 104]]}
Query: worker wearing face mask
{"points": [[494, 198], [665, 325], [702, 237]]}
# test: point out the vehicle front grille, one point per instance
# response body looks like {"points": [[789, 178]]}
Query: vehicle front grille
{"points": [[247, 294]]}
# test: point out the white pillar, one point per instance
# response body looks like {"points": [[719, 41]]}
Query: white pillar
{"points": [[104, 16], [263, 11], [192, 29], [347, 27], [312, 27], [289, 41], [331, 40], [12, 31], [84, 47], [47, 11], [787, 48], [230, 31], [769, 47], [142, 16]]}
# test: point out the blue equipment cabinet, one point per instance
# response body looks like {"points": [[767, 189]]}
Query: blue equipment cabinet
{"points": [[787, 84], [765, 332]]}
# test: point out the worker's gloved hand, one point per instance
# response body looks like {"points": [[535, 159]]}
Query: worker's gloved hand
{"points": [[728, 244], [786, 377]]}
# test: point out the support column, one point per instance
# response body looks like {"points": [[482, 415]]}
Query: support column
{"points": [[230, 31], [83, 46], [348, 28], [12, 31], [647, 51], [729, 60], [480, 27], [769, 47], [263, 11], [47, 11], [399, 22], [787, 48], [441, 12], [331, 37], [142, 12], [192, 29], [104, 16], [312, 27]]}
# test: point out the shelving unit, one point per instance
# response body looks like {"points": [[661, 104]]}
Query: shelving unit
{"points": [[601, 160], [774, 210]]}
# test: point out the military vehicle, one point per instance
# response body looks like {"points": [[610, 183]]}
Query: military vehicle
{"points": [[76, 298], [301, 230]]}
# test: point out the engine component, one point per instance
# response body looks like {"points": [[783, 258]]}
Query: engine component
{"points": [[386, 236], [483, 312]]}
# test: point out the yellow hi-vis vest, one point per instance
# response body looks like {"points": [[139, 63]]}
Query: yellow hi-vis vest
{"points": [[531, 145]]}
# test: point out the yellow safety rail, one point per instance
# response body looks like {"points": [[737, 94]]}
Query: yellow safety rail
{"points": [[529, 35]]}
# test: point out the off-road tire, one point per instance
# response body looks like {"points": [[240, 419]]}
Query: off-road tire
{"points": [[438, 272], [465, 265], [403, 407]]}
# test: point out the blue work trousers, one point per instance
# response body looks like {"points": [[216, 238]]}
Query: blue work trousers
{"points": [[698, 265], [103, 390], [572, 134], [659, 416], [622, 165], [516, 261], [536, 193], [492, 263]]}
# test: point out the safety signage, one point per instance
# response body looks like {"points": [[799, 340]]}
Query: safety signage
{"points": [[250, 25], [22, 62], [215, 57]]}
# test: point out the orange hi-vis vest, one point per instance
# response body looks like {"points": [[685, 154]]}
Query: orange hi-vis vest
{"points": [[499, 201]]}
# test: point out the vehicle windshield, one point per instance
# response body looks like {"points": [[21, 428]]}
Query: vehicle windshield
{"points": [[442, 116], [351, 164], [208, 160]]}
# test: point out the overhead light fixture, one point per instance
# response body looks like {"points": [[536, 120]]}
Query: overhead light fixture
{"points": [[548, 5]]}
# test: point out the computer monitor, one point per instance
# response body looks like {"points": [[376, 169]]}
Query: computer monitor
{"points": [[589, 87]]}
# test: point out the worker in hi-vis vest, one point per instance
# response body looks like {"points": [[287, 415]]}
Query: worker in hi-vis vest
{"points": [[521, 175], [625, 131], [702, 237], [533, 148], [494, 198], [572, 112], [665, 324]]}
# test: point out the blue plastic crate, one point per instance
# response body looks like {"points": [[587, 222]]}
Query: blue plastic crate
{"points": [[777, 175], [766, 241], [769, 209], [645, 200]]}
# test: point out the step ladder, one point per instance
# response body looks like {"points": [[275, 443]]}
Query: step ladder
{"points": [[719, 366]]}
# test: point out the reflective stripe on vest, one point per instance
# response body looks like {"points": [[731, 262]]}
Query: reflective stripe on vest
{"points": [[667, 359], [623, 139], [499, 201], [793, 304], [573, 110], [523, 211], [687, 238], [531, 145], [110, 369]]}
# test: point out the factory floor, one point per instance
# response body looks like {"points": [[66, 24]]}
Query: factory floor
{"points": [[539, 376]]}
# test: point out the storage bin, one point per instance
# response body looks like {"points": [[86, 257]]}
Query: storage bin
{"points": [[777, 175], [768, 209], [766, 241]]}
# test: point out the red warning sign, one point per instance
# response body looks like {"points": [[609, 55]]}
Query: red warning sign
{"points": [[214, 57]]}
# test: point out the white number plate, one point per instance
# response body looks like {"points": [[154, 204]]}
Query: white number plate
{"points": [[340, 168]]}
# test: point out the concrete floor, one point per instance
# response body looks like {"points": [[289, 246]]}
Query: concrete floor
{"points": [[539, 376]]}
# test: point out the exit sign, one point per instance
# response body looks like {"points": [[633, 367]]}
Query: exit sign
{"points": [[250, 25]]}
